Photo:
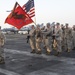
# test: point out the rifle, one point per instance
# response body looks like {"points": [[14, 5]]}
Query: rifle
{"points": [[38, 34], [54, 40], [28, 37], [53, 33]]}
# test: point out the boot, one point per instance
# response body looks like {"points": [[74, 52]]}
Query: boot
{"points": [[44, 47], [68, 50], [38, 52], [2, 60], [57, 53], [48, 53], [33, 51]]}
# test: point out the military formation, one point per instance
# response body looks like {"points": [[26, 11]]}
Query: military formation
{"points": [[57, 37]]}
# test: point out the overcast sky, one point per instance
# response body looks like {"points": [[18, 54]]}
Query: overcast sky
{"points": [[62, 11]]}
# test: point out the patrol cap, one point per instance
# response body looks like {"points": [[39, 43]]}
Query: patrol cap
{"points": [[73, 26], [38, 25], [66, 24], [53, 24], [0, 27], [57, 23], [62, 25], [32, 25], [48, 24]]}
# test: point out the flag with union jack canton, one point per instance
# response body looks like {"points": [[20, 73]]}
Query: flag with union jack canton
{"points": [[29, 8]]}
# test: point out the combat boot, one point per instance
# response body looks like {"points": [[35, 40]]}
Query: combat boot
{"points": [[57, 53], [2, 60], [33, 51], [44, 47], [48, 53], [38, 52], [68, 50]]}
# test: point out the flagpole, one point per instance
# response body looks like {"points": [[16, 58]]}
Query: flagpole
{"points": [[34, 20]]}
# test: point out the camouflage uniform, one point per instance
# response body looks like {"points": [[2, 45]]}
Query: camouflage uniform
{"points": [[73, 37], [2, 41], [32, 39], [63, 37], [53, 38], [43, 36], [48, 38], [68, 39], [38, 38], [58, 38]]}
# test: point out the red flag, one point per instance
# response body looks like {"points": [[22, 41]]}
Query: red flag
{"points": [[18, 17]]}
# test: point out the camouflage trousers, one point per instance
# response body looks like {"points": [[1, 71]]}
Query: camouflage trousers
{"points": [[48, 44], [32, 43], [73, 42], [58, 45], [38, 43], [1, 53], [68, 44]]}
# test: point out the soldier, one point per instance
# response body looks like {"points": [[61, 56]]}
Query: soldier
{"points": [[2, 41], [58, 35], [53, 37], [73, 35], [32, 38], [68, 38], [43, 40], [38, 38], [63, 33], [48, 38]]}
